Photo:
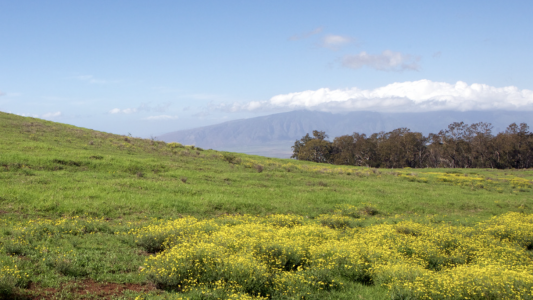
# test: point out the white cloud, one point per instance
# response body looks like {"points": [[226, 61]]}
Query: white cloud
{"points": [[129, 110], [160, 117], [335, 41], [50, 115], [123, 111], [409, 96], [386, 61], [306, 34]]}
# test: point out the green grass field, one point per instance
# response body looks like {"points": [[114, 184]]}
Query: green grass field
{"points": [[92, 215]]}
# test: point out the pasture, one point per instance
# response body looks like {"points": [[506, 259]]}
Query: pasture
{"points": [[91, 215]]}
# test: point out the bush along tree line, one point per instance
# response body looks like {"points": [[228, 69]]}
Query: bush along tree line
{"points": [[459, 146]]}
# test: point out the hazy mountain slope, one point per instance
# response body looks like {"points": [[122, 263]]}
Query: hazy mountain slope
{"points": [[273, 135]]}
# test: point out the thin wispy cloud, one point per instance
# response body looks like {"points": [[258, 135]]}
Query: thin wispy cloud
{"points": [[157, 108], [306, 34], [386, 61], [2, 94], [160, 118], [146, 107], [334, 42], [409, 96], [203, 96], [202, 114]]}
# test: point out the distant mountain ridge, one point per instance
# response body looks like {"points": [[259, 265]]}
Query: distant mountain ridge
{"points": [[274, 134]]}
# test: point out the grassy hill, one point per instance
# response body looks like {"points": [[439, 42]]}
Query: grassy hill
{"points": [[87, 214]]}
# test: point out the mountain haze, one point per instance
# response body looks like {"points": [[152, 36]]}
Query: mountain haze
{"points": [[273, 135]]}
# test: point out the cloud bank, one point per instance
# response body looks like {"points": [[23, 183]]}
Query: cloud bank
{"points": [[409, 96], [386, 61]]}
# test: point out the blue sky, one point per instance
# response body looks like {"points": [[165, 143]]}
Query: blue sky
{"points": [[151, 67]]}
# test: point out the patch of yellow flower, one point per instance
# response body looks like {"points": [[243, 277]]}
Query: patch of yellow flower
{"points": [[473, 181], [302, 167], [10, 275], [23, 234], [289, 256]]}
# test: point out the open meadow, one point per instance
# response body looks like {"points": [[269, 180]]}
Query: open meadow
{"points": [[92, 215]]}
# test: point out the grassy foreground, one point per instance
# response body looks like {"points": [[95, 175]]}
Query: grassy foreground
{"points": [[86, 214]]}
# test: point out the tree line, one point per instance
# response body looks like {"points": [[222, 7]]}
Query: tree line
{"points": [[458, 146]]}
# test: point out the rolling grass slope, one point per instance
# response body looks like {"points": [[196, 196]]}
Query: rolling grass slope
{"points": [[73, 200]]}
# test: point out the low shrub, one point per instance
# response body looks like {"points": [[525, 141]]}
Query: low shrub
{"points": [[68, 162], [230, 158], [370, 210], [175, 145], [336, 221], [348, 211]]}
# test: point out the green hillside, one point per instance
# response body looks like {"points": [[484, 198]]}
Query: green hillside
{"points": [[87, 214]]}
